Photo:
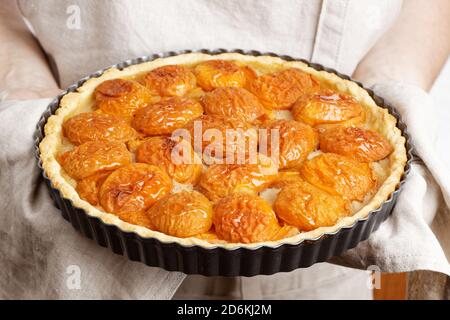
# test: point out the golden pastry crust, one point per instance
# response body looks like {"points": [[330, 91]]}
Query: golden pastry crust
{"points": [[328, 107], [295, 142], [176, 158], [281, 89], [183, 214], [94, 156], [134, 188], [121, 97], [94, 126], [306, 207], [169, 81], [245, 218], [221, 180], [213, 74], [239, 130], [166, 116], [377, 119], [233, 102], [339, 175], [357, 143]]}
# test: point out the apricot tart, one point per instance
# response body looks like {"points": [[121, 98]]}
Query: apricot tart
{"points": [[222, 151]]}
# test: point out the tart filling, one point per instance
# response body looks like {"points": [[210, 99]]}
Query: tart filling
{"points": [[109, 149]]}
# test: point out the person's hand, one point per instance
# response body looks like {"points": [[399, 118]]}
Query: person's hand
{"points": [[24, 72], [414, 50]]}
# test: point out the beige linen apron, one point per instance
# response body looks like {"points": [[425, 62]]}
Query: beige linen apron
{"points": [[81, 36]]}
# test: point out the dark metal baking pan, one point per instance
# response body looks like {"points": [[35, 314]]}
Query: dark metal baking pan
{"points": [[220, 261]]}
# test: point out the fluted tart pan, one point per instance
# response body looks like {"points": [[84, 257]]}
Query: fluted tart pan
{"points": [[214, 260]]}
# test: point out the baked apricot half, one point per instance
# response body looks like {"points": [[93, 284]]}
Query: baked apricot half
{"points": [[88, 188], [94, 126], [286, 231], [286, 178], [279, 90], [183, 214], [121, 97], [209, 236], [94, 156], [170, 80], [339, 175], [222, 137], [357, 143], [291, 140], [221, 73], [166, 115], [245, 218], [307, 207], [221, 180], [327, 107], [233, 102], [134, 188], [175, 157]]}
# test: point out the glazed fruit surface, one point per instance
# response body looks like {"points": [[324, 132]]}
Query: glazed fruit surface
{"points": [[134, 188], [339, 175], [327, 107], [167, 115], [147, 152], [305, 206], [281, 89], [357, 143], [221, 180], [296, 141], [169, 81], [230, 131], [160, 151], [121, 97], [245, 218], [94, 126], [94, 156], [233, 102], [183, 214], [219, 73]]}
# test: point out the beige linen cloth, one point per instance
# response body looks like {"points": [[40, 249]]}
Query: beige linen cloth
{"points": [[41, 256]]}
